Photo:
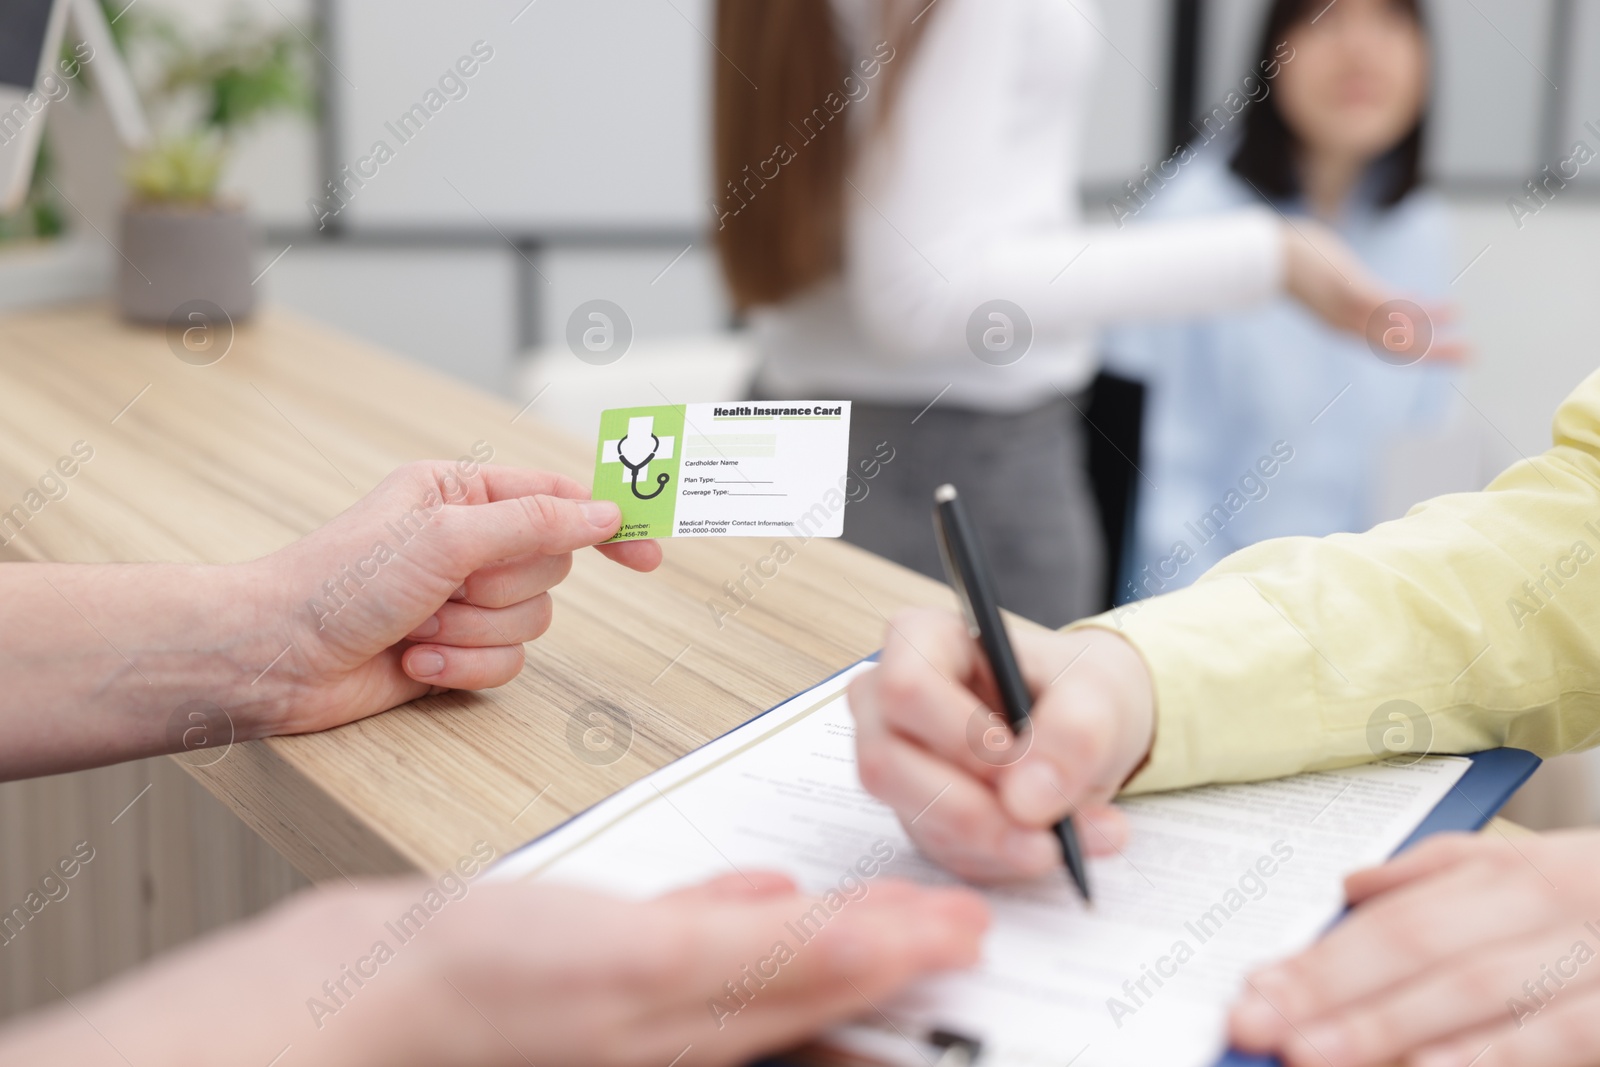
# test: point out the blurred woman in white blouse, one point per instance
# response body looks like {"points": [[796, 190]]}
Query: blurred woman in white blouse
{"points": [[897, 215]]}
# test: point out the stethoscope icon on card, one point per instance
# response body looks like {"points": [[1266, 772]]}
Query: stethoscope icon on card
{"points": [[634, 469], [641, 430]]}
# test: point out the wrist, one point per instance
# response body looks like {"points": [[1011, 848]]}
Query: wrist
{"points": [[244, 995], [1127, 677], [1115, 675], [376, 999], [254, 646]]}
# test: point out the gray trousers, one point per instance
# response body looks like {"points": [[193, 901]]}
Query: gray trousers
{"points": [[1025, 483]]}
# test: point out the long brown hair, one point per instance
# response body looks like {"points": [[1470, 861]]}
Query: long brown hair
{"points": [[779, 154], [1266, 155]]}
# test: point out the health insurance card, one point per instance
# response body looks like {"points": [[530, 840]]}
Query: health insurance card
{"points": [[739, 469]]}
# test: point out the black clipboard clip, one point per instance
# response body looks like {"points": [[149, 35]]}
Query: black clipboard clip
{"points": [[940, 1047]]}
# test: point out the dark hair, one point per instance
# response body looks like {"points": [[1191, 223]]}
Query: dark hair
{"points": [[1266, 156], [779, 234]]}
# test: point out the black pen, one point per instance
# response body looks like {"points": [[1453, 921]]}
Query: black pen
{"points": [[969, 576]]}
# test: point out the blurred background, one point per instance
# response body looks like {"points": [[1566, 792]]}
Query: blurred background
{"points": [[576, 167], [573, 165]]}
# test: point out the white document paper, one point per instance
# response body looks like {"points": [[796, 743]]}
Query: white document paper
{"points": [[1213, 882]]}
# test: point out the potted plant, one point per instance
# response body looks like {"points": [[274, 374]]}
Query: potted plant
{"points": [[181, 240]]}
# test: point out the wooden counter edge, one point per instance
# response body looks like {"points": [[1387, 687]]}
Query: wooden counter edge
{"points": [[275, 799]]}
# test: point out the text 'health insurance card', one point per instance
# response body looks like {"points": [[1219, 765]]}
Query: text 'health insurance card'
{"points": [[741, 469]]}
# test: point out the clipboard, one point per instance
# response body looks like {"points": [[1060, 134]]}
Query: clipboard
{"points": [[1482, 791], [1491, 780], [1469, 806]]}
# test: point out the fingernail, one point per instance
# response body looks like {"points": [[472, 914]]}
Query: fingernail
{"points": [[426, 664], [1113, 831], [961, 910], [427, 628], [1036, 792], [1270, 983], [1256, 1017], [602, 514], [947, 936]]}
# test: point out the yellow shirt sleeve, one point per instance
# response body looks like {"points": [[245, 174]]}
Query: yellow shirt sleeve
{"points": [[1480, 609]]}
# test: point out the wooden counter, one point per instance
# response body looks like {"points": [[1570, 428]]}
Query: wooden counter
{"points": [[232, 460]]}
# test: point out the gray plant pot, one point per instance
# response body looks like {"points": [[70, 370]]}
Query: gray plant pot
{"points": [[175, 255]]}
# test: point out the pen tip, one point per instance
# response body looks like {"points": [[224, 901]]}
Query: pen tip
{"points": [[945, 493]]}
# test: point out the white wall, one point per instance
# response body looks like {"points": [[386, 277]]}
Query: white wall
{"points": [[578, 113], [453, 308], [1126, 123], [667, 291], [1527, 309]]}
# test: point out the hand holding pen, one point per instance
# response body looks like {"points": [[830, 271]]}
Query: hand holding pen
{"points": [[968, 570], [930, 745]]}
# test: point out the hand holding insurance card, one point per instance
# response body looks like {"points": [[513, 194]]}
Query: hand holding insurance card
{"points": [[739, 469]]}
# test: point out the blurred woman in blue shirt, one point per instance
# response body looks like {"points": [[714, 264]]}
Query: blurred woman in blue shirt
{"points": [[1264, 423]]}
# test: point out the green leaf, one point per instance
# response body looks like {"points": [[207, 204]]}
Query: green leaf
{"points": [[178, 169]]}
